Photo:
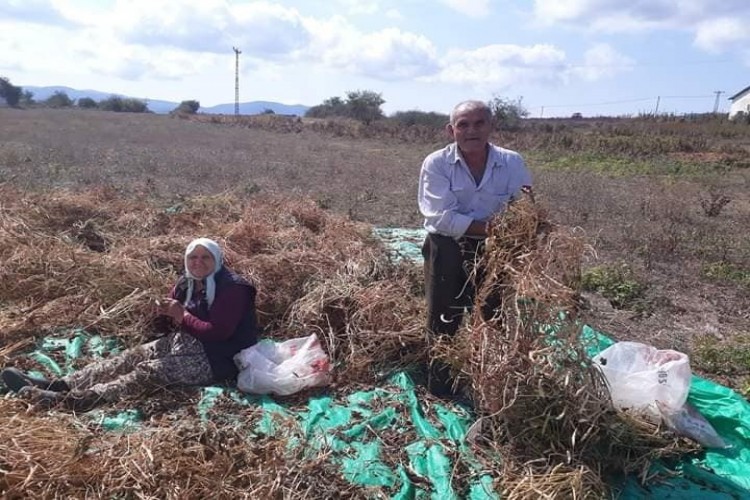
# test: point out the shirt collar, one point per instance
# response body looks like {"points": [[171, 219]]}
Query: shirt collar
{"points": [[493, 158]]}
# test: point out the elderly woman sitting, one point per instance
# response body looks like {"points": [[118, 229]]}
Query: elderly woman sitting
{"points": [[214, 309]]}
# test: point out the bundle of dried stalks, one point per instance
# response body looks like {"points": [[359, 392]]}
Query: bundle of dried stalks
{"points": [[97, 261], [55, 457], [546, 408], [370, 316]]}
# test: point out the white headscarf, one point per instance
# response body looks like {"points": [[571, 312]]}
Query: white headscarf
{"points": [[215, 250]]}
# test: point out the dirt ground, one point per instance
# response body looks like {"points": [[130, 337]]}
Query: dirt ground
{"points": [[658, 225]]}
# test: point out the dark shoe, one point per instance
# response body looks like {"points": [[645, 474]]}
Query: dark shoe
{"points": [[14, 379], [41, 397], [82, 401]]}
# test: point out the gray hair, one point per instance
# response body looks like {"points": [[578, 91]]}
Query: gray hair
{"points": [[470, 106]]}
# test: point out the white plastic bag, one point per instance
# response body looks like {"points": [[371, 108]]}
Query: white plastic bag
{"points": [[639, 375], [689, 422], [282, 368], [655, 383]]}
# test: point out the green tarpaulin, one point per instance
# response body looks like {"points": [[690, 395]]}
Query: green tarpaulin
{"points": [[348, 428]]}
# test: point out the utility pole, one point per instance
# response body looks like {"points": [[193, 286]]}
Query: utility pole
{"points": [[656, 110], [237, 53], [716, 102], [541, 113]]}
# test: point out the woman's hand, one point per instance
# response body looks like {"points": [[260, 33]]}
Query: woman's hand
{"points": [[172, 308]]}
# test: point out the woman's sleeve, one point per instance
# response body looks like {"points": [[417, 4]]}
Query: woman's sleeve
{"points": [[224, 315]]}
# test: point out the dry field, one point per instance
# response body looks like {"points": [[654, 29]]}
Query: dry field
{"points": [[97, 207], [671, 260]]}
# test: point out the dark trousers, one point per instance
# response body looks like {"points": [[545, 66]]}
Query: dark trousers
{"points": [[448, 265], [449, 290]]}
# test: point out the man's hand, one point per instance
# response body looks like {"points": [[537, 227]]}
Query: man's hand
{"points": [[477, 228]]}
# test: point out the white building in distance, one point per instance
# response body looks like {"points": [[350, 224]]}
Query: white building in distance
{"points": [[740, 102]]}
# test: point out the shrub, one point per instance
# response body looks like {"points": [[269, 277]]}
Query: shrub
{"points": [[361, 105], [729, 358], [87, 103], [27, 98], [617, 283], [187, 108], [59, 99], [507, 114], [364, 105], [9, 92], [725, 271], [410, 118], [714, 203], [333, 106], [123, 105]]}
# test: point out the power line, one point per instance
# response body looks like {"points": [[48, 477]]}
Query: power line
{"points": [[625, 101], [716, 102]]}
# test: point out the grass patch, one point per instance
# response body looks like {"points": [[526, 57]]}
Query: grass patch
{"points": [[618, 284], [725, 271], [726, 358], [621, 166]]}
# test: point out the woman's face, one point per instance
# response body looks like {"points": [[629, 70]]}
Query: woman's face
{"points": [[200, 262]]}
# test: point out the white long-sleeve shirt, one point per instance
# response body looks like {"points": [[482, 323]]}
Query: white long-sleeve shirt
{"points": [[449, 197]]}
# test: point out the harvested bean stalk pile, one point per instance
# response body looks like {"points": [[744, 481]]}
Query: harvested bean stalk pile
{"points": [[544, 407], [96, 261]]}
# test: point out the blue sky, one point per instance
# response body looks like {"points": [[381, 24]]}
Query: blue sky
{"points": [[596, 57]]}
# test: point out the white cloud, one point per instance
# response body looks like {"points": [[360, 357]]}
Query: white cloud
{"points": [[362, 7], [503, 66], [33, 49], [716, 26], [11, 57], [394, 14], [163, 40], [470, 8], [602, 61], [722, 34], [209, 26], [389, 54], [34, 11]]}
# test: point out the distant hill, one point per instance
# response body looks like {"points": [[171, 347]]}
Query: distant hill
{"points": [[157, 106], [257, 107]]}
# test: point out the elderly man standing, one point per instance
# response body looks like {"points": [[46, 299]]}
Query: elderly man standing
{"points": [[460, 188]]}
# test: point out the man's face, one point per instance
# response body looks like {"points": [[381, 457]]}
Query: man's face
{"points": [[471, 130]]}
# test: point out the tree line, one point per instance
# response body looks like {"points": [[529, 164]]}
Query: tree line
{"points": [[16, 96], [361, 105], [366, 106]]}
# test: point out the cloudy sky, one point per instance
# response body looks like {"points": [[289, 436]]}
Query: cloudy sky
{"points": [[596, 57]]}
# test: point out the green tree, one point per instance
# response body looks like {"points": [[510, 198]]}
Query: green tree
{"points": [[9, 92], [112, 103], [187, 108], [364, 105], [87, 103], [123, 105], [27, 98], [333, 106], [506, 113], [414, 117], [59, 99]]}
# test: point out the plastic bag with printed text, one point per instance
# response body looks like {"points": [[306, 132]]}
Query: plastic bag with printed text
{"points": [[655, 384]]}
